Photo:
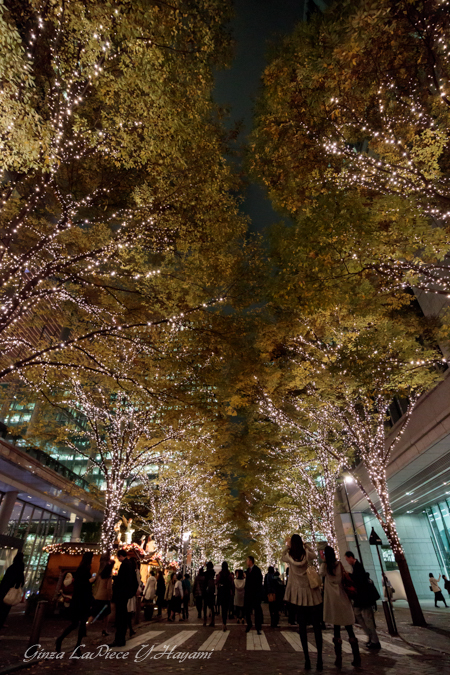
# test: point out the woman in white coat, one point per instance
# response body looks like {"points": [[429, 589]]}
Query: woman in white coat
{"points": [[434, 586], [150, 588], [307, 600], [337, 608]]}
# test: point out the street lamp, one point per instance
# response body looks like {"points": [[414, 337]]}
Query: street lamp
{"points": [[348, 480]]}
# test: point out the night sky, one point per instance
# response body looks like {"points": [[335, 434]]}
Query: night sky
{"points": [[256, 23]]}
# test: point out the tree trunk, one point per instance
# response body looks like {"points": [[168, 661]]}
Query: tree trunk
{"points": [[113, 500], [387, 522], [417, 616], [390, 529]]}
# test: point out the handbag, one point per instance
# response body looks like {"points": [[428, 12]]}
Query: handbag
{"points": [[271, 597], [314, 579], [13, 596], [347, 584]]}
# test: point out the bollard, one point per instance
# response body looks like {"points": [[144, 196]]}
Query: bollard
{"points": [[37, 625]]}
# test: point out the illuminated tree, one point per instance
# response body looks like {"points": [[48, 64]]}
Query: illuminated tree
{"points": [[269, 527], [354, 116], [117, 212], [310, 483], [186, 495], [337, 397], [123, 436]]}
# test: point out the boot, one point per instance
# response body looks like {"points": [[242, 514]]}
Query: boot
{"points": [[319, 665], [355, 649], [338, 652]]}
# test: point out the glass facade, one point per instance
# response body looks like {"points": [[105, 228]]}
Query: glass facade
{"points": [[37, 527], [439, 520]]}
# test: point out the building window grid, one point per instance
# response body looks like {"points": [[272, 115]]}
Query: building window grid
{"points": [[440, 532], [35, 563]]}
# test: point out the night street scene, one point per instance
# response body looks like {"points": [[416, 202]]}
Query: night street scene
{"points": [[225, 337]]}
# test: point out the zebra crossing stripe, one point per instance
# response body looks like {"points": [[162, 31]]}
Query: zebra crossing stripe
{"points": [[175, 640], [345, 646], [215, 642], [257, 642], [140, 639], [294, 641], [391, 647]]}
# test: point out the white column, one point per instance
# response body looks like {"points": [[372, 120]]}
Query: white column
{"points": [[76, 532]]}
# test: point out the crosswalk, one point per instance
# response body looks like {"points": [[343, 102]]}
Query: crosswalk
{"points": [[294, 641], [215, 642], [218, 640], [257, 643]]}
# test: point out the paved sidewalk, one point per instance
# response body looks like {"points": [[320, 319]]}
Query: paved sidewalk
{"points": [[419, 651]]}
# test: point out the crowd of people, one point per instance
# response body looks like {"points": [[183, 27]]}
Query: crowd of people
{"points": [[309, 597]]}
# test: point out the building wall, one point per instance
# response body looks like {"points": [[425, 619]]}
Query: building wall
{"points": [[415, 536]]}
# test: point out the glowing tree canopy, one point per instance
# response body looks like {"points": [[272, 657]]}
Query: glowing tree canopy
{"points": [[117, 214], [187, 496], [352, 129], [334, 390]]}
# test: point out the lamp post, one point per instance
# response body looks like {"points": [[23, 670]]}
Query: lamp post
{"points": [[349, 479], [374, 540]]}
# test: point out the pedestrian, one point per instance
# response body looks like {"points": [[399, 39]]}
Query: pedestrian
{"points": [[388, 589], [102, 594], [366, 597], [199, 589], [186, 595], [132, 602], [170, 587], [125, 587], [160, 592], [14, 577], [65, 595], [149, 595], [231, 610], [271, 584], [438, 597], [80, 605], [337, 608], [279, 592], [239, 593], [446, 584], [177, 597], [225, 592], [209, 595], [253, 595], [150, 587], [299, 593]]}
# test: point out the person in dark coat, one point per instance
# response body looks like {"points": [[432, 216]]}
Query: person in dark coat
{"points": [[80, 605], [366, 597], [225, 592], [160, 592], [446, 584], [209, 593], [13, 577], [253, 595], [199, 590], [124, 588]]}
